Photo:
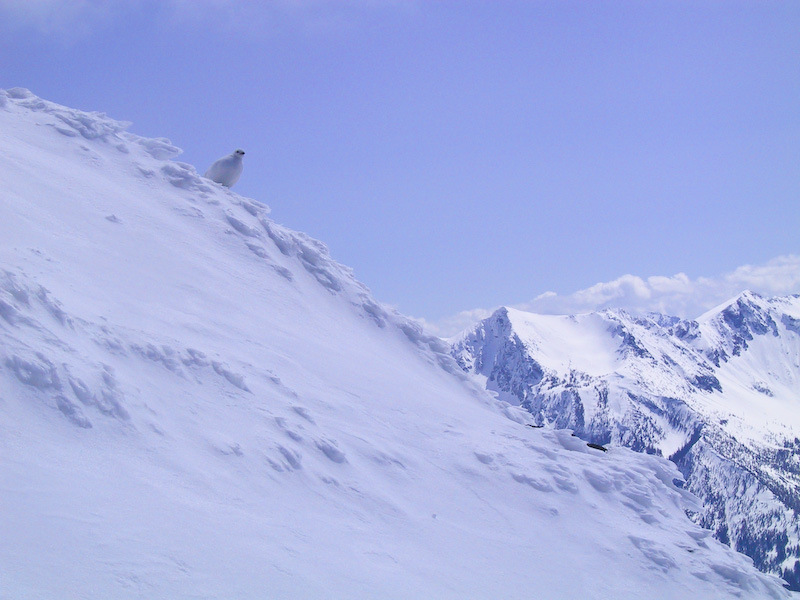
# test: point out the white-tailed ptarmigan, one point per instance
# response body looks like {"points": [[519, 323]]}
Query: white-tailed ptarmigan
{"points": [[227, 170]]}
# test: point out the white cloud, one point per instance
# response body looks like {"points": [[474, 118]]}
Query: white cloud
{"points": [[255, 18], [72, 20], [779, 276], [676, 295], [68, 19], [450, 326]]}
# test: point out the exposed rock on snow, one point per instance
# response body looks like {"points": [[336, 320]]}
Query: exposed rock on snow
{"points": [[718, 396]]}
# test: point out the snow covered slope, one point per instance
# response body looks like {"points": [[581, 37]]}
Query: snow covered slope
{"points": [[720, 396], [196, 402]]}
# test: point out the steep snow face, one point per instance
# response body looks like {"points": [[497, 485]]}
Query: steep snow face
{"points": [[199, 403], [755, 344], [719, 396], [581, 343]]}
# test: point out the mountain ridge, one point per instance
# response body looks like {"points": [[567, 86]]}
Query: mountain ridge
{"points": [[716, 395]]}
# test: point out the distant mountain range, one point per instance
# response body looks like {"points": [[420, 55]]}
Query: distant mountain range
{"points": [[719, 396]]}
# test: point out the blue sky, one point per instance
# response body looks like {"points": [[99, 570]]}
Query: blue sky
{"points": [[554, 155]]}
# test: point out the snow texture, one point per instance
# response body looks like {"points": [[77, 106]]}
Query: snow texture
{"points": [[718, 396], [199, 403]]}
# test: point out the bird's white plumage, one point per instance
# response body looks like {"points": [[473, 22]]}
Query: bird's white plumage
{"points": [[227, 170]]}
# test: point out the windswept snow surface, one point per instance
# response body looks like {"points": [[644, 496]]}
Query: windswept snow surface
{"points": [[196, 403], [720, 396]]}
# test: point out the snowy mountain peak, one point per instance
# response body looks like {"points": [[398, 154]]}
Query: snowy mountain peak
{"points": [[730, 328], [197, 402], [717, 395]]}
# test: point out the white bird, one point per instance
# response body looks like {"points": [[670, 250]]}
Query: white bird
{"points": [[227, 170]]}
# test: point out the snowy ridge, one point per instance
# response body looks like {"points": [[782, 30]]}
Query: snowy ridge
{"points": [[718, 396], [199, 403], [253, 223]]}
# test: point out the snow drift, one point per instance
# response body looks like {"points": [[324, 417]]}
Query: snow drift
{"points": [[196, 402]]}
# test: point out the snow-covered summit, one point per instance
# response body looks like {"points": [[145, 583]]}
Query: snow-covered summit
{"points": [[718, 395], [196, 402]]}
